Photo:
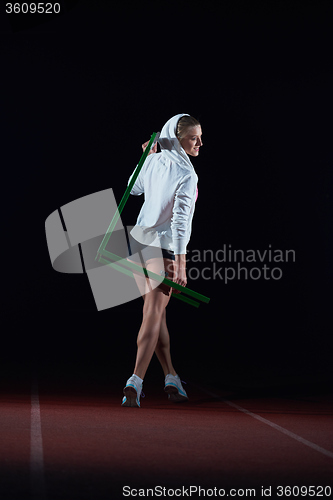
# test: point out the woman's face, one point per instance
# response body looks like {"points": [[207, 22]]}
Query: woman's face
{"points": [[192, 141]]}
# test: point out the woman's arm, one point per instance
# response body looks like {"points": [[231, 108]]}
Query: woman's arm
{"points": [[138, 186], [182, 211], [184, 199], [179, 271], [153, 150]]}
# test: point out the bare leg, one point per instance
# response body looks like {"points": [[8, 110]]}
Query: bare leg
{"points": [[162, 349], [155, 302]]}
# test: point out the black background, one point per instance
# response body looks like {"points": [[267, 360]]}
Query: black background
{"points": [[80, 93]]}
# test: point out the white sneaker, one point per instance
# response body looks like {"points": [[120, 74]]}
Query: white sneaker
{"points": [[132, 392], [174, 389]]}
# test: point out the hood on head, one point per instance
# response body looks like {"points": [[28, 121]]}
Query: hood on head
{"points": [[170, 145], [168, 139]]}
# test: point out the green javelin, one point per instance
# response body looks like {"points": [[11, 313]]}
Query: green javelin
{"points": [[131, 274], [125, 198], [102, 251], [154, 276]]}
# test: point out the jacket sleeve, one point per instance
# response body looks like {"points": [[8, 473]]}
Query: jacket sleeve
{"points": [[182, 209], [138, 187]]}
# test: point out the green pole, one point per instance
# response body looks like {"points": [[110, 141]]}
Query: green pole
{"points": [[101, 251], [150, 274], [131, 275], [125, 197]]}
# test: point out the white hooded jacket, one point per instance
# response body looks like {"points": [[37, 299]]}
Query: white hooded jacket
{"points": [[169, 183]]}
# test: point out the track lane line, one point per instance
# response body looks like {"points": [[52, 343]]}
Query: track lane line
{"points": [[277, 427], [37, 477]]}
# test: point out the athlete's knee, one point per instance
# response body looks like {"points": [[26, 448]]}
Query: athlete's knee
{"points": [[153, 310], [154, 306], [147, 336]]}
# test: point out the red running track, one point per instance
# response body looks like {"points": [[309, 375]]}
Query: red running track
{"points": [[77, 443]]}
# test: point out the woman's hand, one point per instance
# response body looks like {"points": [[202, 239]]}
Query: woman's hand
{"points": [[153, 150], [179, 273]]}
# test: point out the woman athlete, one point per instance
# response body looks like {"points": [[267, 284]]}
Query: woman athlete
{"points": [[158, 242]]}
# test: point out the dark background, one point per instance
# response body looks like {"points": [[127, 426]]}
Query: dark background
{"points": [[80, 93]]}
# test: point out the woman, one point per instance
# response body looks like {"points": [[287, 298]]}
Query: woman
{"points": [[160, 236]]}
